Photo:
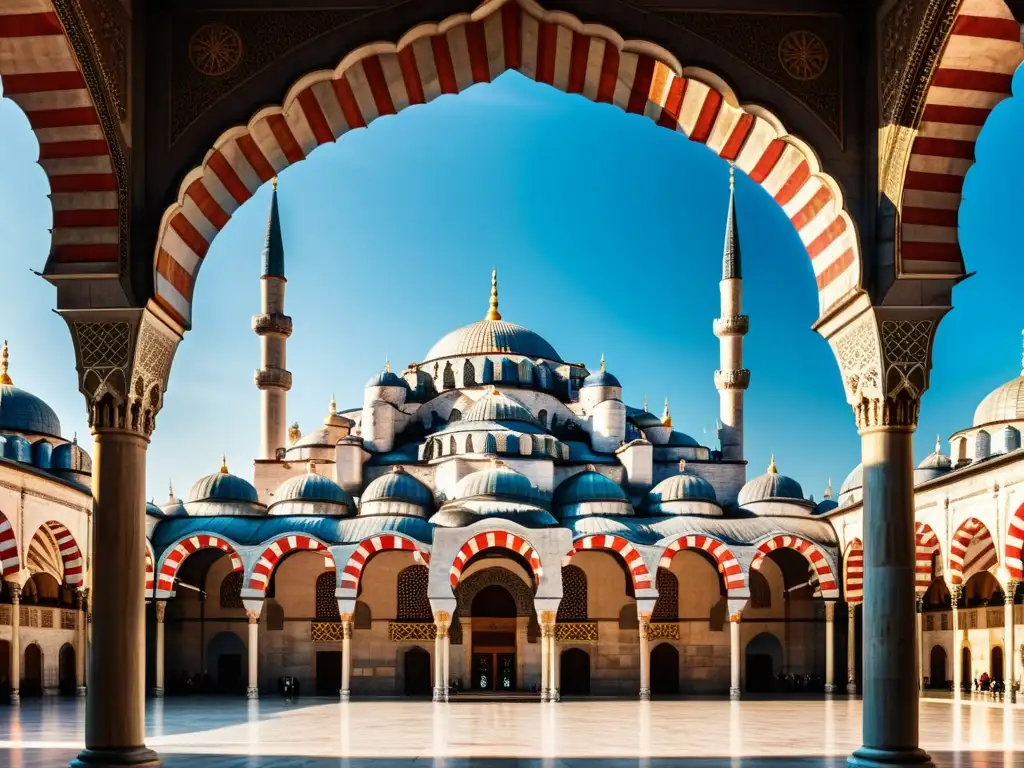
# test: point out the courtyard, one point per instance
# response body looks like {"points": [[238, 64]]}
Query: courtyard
{"points": [[215, 732]]}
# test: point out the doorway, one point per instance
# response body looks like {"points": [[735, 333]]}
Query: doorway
{"points": [[997, 664], [66, 670], [32, 677], [764, 662], [574, 677], [966, 673], [328, 673], [226, 659], [493, 658], [937, 667], [417, 672], [665, 670]]}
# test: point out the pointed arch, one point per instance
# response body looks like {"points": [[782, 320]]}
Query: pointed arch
{"points": [[180, 551], [150, 574], [272, 555], [638, 571], [10, 562], [70, 553], [928, 547], [495, 540], [1014, 549], [853, 572], [353, 571], [554, 48], [827, 584], [971, 550], [728, 565]]}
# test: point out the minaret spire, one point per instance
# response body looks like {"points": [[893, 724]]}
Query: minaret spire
{"points": [[731, 379], [602, 362], [493, 313], [666, 416], [273, 327], [828, 489], [4, 360]]}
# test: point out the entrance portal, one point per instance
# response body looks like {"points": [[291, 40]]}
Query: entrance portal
{"points": [[938, 667], [574, 677], [493, 615], [764, 662], [32, 677], [66, 670], [417, 672], [665, 670], [328, 673]]}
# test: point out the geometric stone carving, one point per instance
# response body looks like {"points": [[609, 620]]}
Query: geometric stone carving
{"points": [[215, 49], [803, 55], [577, 632], [404, 631]]}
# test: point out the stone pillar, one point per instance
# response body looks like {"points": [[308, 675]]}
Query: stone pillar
{"points": [[556, 666], [734, 655], [547, 642], [955, 593], [851, 648], [919, 639], [1009, 641], [15, 641], [253, 691], [346, 657], [645, 656], [442, 620], [830, 646], [446, 645], [891, 701], [115, 702], [80, 642], [160, 608]]}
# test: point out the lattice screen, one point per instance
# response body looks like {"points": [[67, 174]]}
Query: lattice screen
{"points": [[574, 595]]}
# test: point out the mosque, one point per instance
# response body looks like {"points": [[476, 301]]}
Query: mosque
{"points": [[496, 518]]}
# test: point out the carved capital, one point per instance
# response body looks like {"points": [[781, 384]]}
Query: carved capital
{"points": [[124, 360], [547, 618], [253, 617], [15, 590], [851, 611], [736, 617], [160, 608], [830, 610]]}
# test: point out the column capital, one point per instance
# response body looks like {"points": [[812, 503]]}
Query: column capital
{"points": [[253, 617], [851, 610], [15, 589], [956, 592], [160, 609], [830, 610], [736, 617]]}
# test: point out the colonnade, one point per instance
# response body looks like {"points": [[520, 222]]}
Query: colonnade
{"points": [[1009, 637]]}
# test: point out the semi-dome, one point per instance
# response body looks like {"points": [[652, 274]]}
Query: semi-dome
{"points": [[601, 378], [854, 481], [492, 335], [771, 486], [387, 378], [1005, 403], [152, 510], [311, 494], [497, 406], [396, 493], [499, 482], [686, 486]]}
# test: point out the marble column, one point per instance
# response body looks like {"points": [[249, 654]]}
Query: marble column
{"points": [[115, 701], [545, 661], [556, 666], [735, 686], [1009, 654], [160, 609], [446, 647], [441, 623], [919, 639], [891, 702], [253, 691], [80, 643], [955, 592], [851, 648], [645, 656], [830, 646], [15, 641], [346, 657]]}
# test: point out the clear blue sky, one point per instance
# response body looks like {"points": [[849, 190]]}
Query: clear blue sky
{"points": [[607, 234]]}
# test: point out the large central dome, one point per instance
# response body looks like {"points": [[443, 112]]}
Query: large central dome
{"points": [[492, 335]]}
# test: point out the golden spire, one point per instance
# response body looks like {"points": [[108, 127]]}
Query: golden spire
{"points": [[273, 182], [493, 313], [602, 362], [772, 470], [223, 464], [4, 378], [387, 365], [666, 417], [334, 405], [938, 445], [828, 489]]}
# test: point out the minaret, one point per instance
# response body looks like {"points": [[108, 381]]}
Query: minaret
{"points": [[273, 327], [732, 378]]}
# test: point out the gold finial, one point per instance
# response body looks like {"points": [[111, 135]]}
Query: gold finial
{"points": [[590, 468], [170, 490], [828, 489], [666, 416], [387, 365], [4, 378], [223, 464], [273, 183], [397, 469], [732, 176], [938, 445], [493, 313], [772, 470], [334, 405], [294, 433], [602, 362]]}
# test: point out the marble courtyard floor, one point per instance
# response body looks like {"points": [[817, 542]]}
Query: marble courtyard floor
{"points": [[311, 733]]}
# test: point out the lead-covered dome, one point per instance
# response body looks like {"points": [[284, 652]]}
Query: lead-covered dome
{"points": [[1005, 403], [497, 406], [496, 492], [21, 411], [934, 465], [222, 494], [311, 494], [499, 482], [686, 486], [601, 378], [396, 493], [387, 378], [771, 486], [591, 493]]}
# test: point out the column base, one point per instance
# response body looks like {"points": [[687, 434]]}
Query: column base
{"points": [[437, 694], [851, 688], [345, 695], [829, 688], [15, 697], [158, 693], [555, 695], [645, 694], [869, 757], [131, 757], [80, 691], [252, 692], [545, 695], [734, 693]]}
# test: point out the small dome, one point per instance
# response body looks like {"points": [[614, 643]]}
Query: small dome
{"points": [[770, 486], [152, 510], [499, 482], [174, 508], [601, 378], [1005, 403], [588, 485], [685, 486], [681, 439], [398, 485], [387, 378], [70, 456], [825, 505], [21, 411], [312, 487], [496, 406], [854, 481], [223, 486], [935, 460]]}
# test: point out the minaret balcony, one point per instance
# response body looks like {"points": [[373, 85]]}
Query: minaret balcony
{"points": [[267, 324], [739, 379], [273, 378], [737, 325]]}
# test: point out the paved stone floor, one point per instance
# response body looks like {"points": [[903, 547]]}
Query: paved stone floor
{"points": [[222, 732]]}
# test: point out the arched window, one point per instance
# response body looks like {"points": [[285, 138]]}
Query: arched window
{"points": [[455, 415], [574, 595], [469, 444], [525, 372], [326, 603], [413, 604], [760, 591], [452, 447], [231, 591], [362, 619], [667, 606], [509, 370], [488, 374], [449, 376], [428, 450], [468, 374], [542, 417], [490, 444]]}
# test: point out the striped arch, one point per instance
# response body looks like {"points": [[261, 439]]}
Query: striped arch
{"points": [[974, 73], [638, 570], [927, 546], [826, 578], [1012, 554], [10, 563], [972, 550], [853, 570], [150, 573], [272, 555], [494, 540], [465, 49], [728, 565], [70, 553], [180, 552], [42, 74], [368, 548]]}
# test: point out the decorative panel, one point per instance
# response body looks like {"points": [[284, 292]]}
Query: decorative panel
{"points": [[576, 632], [326, 631], [663, 631], [401, 631]]}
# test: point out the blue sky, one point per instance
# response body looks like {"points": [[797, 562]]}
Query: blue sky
{"points": [[607, 235]]}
